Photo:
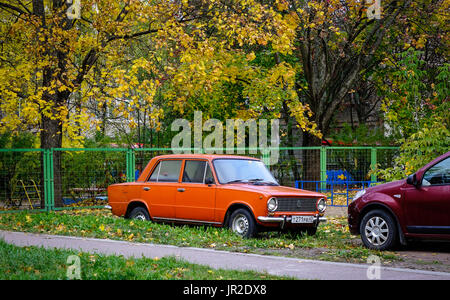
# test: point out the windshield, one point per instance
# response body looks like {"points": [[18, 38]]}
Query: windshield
{"points": [[243, 170]]}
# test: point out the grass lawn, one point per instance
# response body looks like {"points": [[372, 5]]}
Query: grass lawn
{"points": [[25, 263], [332, 242]]}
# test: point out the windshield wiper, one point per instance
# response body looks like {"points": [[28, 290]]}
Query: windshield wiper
{"points": [[246, 180], [255, 180], [235, 181], [262, 182]]}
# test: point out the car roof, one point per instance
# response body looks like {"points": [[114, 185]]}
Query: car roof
{"points": [[205, 156]]}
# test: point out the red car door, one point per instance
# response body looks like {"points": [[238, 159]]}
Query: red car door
{"points": [[427, 205]]}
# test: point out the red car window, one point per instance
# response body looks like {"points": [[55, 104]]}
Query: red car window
{"points": [[438, 174]]}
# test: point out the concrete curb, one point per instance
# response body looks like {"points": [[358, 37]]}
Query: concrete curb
{"points": [[285, 266]]}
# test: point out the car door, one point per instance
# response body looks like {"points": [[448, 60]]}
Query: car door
{"points": [[427, 207], [195, 195], [159, 191]]}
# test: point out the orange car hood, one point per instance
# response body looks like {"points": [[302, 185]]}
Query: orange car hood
{"points": [[270, 190]]}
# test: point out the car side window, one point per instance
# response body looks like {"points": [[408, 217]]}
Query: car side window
{"points": [[439, 174], [166, 171], [194, 171], [209, 178], [154, 176]]}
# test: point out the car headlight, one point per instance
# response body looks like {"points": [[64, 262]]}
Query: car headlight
{"points": [[321, 205], [359, 194], [272, 204]]}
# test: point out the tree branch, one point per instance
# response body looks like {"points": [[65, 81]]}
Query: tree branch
{"points": [[12, 7], [24, 6], [130, 36]]}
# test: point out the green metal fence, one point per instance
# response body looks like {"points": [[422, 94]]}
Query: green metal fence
{"points": [[66, 178]]}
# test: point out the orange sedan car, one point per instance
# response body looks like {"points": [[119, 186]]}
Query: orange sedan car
{"points": [[221, 190]]}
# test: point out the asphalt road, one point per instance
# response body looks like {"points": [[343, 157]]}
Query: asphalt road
{"points": [[297, 268]]}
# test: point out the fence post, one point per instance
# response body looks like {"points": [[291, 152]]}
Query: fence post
{"points": [[49, 192], [46, 177], [323, 168], [131, 165], [52, 181], [373, 164]]}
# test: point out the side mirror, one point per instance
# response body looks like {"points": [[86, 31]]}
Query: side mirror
{"points": [[412, 179], [209, 181]]}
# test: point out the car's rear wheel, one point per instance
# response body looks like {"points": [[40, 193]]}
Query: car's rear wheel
{"points": [[242, 223], [378, 230], [140, 213]]}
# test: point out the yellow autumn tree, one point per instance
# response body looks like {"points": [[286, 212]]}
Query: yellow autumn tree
{"points": [[53, 51], [230, 72], [58, 58]]}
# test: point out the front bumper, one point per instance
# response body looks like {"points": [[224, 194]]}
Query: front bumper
{"points": [[353, 218], [287, 219]]}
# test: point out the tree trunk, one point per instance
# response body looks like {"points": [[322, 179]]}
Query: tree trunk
{"points": [[311, 161], [330, 73], [51, 138], [291, 142], [51, 125]]}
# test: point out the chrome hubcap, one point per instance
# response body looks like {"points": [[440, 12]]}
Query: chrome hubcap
{"points": [[140, 216], [377, 231], [240, 224]]}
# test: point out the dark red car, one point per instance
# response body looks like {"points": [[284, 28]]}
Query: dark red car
{"points": [[416, 207]]}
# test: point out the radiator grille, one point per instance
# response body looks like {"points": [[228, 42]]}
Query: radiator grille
{"points": [[297, 204]]}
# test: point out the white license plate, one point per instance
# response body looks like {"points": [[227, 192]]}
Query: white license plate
{"points": [[302, 219]]}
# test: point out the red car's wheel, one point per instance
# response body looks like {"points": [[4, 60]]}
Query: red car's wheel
{"points": [[378, 230]]}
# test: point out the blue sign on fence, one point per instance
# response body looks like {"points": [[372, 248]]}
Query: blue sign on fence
{"points": [[338, 176], [333, 188]]}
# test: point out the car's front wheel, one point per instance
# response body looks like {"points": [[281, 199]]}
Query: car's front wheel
{"points": [[378, 230], [311, 230], [242, 223]]}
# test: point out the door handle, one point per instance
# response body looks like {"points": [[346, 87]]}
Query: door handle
{"points": [[146, 188], [181, 190]]}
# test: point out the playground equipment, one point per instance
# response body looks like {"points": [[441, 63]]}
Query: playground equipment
{"points": [[29, 193]]}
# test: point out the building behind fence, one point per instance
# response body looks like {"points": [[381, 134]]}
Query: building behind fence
{"points": [[27, 176]]}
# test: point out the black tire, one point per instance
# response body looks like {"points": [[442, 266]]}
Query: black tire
{"points": [[139, 213], [378, 230], [311, 230], [242, 223]]}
